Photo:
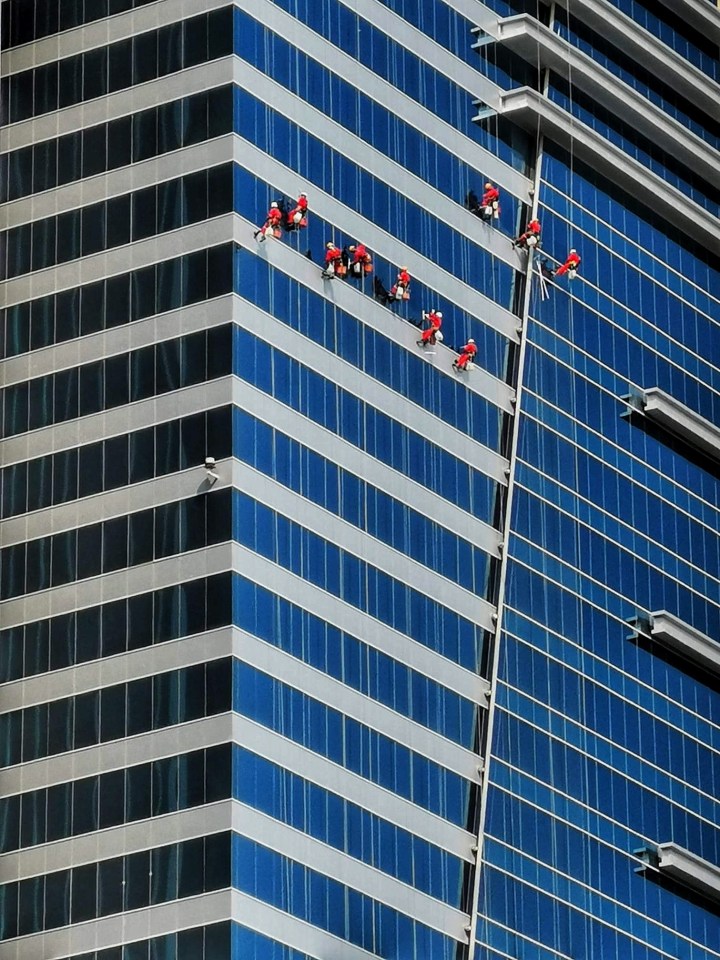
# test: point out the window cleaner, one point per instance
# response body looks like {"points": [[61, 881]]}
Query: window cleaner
{"points": [[490, 203], [401, 288], [361, 262], [570, 267], [432, 333], [531, 237], [334, 266], [297, 217], [271, 227], [467, 354]]}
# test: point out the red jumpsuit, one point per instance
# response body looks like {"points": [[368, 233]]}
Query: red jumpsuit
{"points": [[400, 290], [468, 352], [532, 230], [272, 223], [333, 261], [490, 196], [428, 336], [572, 263], [300, 208]]}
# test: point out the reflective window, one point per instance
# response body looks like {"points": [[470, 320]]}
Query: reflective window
{"points": [[327, 904], [116, 381], [127, 624], [112, 223], [198, 943], [146, 56], [109, 464], [115, 544], [124, 298], [111, 886], [357, 747], [120, 142], [364, 426], [151, 703], [347, 827], [178, 783]]}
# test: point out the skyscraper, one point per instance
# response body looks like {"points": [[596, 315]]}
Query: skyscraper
{"points": [[314, 647]]}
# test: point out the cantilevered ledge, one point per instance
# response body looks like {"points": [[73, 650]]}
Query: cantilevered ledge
{"points": [[653, 54], [535, 112], [681, 638], [675, 417], [676, 863], [540, 47]]}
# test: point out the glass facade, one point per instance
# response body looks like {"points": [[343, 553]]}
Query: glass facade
{"points": [[313, 644]]}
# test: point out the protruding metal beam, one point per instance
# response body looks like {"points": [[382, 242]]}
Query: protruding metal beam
{"points": [[680, 637], [536, 113], [676, 418], [690, 869]]}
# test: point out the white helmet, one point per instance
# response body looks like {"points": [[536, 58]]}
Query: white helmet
{"points": [[303, 194], [573, 250], [438, 314], [471, 340], [273, 204]]}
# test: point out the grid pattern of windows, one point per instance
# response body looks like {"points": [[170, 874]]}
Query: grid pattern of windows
{"points": [[124, 541], [108, 887], [326, 731], [107, 146], [198, 943], [116, 627], [112, 713], [125, 378], [115, 462], [111, 223], [111, 799], [105, 70], [115, 301], [27, 20]]}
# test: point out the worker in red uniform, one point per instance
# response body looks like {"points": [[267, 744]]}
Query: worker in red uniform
{"points": [[570, 267], [271, 227], [490, 203], [401, 288], [333, 261], [531, 237], [466, 355], [297, 218], [361, 260], [430, 335]]}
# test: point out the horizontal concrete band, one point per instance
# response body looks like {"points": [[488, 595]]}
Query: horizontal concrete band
{"points": [[223, 557], [641, 45], [534, 111], [123, 103], [101, 32], [122, 928], [232, 728], [535, 42], [115, 183], [351, 458], [266, 658], [116, 422], [379, 240], [319, 49], [362, 153], [378, 395], [133, 256]]}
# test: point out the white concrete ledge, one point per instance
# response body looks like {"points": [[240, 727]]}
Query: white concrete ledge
{"points": [[690, 869], [699, 14], [639, 44], [686, 640], [535, 112], [539, 46], [676, 418]]}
